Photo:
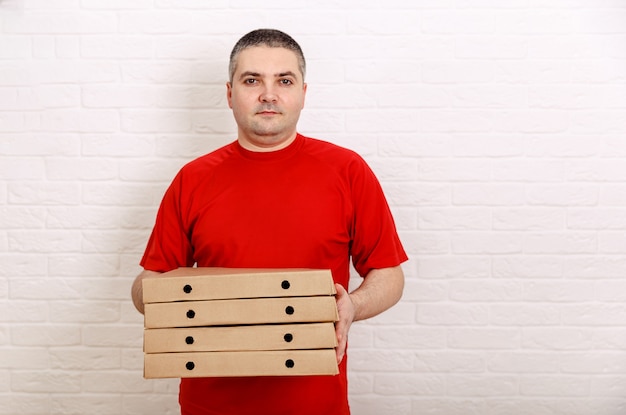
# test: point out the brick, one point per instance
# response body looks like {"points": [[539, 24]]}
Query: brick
{"points": [[114, 382], [83, 311], [607, 314], [153, 403], [557, 338], [596, 171], [74, 71], [155, 22], [447, 314], [484, 338], [489, 96], [599, 218], [488, 194], [26, 288], [476, 291], [22, 217], [124, 47], [25, 359], [137, 195], [118, 96], [453, 266], [23, 265], [535, 22], [560, 243], [424, 291], [367, 360], [147, 121], [554, 385], [110, 242], [486, 243], [524, 315], [446, 361], [426, 243], [452, 406], [156, 171], [529, 219], [45, 382], [595, 266], [409, 384], [611, 243], [45, 336], [40, 145], [473, 385], [415, 338], [206, 96], [529, 171], [64, 120], [23, 311], [27, 403], [559, 291], [68, 22], [455, 171], [568, 194], [187, 4], [43, 241], [564, 146], [523, 362], [588, 363], [69, 169], [417, 194], [112, 335], [97, 404], [116, 4], [488, 47], [432, 145], [117, 145], [15, 47]]}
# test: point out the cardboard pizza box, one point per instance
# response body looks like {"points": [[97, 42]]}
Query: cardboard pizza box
{"points": [[241, 363], [240, 312], [239, 338], [207, 283]]}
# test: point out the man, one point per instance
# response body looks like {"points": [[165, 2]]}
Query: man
{"points": [[276, 199]]}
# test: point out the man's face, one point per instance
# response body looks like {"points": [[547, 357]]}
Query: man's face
{"points": [[266, 95]]}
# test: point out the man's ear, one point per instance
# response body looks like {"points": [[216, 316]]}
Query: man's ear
{"points": [[304, 86], [229, 94]]}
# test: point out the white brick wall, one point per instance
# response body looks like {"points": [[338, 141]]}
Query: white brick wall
{"points": [[498, 129]]}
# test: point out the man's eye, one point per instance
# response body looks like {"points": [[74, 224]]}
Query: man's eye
{"points": [[250, 81], [286, 81]]}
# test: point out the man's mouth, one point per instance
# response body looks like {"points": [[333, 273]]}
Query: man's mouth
{"points": [[268, 111]]}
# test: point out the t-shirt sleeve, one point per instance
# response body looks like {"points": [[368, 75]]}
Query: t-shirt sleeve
{"points": [[169, 246], [375, 240]]}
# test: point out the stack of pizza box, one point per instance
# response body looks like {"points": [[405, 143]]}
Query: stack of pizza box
{"points": [[205, 322]]}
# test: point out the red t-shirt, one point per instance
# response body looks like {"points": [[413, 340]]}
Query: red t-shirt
{"points": [[310, 205]]}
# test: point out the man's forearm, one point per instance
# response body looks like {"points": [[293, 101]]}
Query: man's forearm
{"points": [[380, 289], [137, 288]]}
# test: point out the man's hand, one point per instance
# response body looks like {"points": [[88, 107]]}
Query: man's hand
{"points": [[137, 289], [346, 310], [380, 289]]}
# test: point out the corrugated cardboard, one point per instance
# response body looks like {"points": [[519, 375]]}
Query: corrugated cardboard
{"points": [[189, 284], [203, 322], [245, 363], [237, 312], [239, 338]]}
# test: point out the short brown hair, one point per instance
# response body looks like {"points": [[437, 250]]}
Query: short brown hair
{"points": [[266, 37]]}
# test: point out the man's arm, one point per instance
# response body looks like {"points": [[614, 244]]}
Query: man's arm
{"points": [[380, 290], [137, 289]]}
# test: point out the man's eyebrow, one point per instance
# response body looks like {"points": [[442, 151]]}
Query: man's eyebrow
{"points": [[248, 73], [288, 73], [257, 74]]}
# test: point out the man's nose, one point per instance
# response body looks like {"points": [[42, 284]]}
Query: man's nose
{"points": [[268, 94]]}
